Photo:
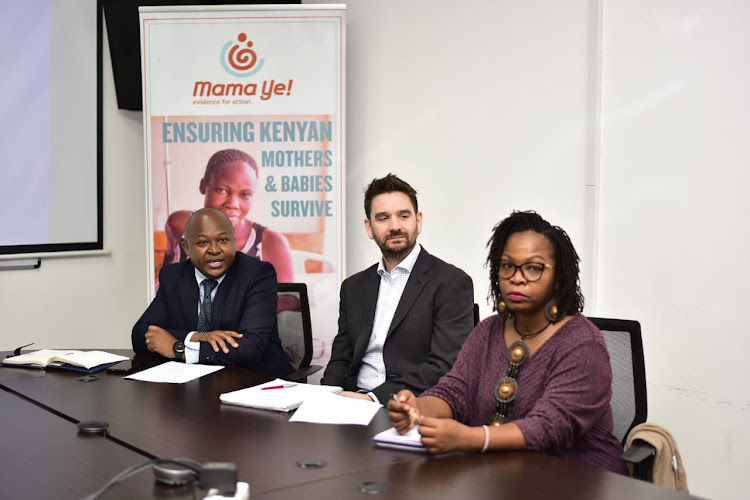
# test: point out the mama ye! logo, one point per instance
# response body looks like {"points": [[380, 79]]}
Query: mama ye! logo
{"points": [[239, 59]]}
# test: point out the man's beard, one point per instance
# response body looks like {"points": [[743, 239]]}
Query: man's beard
{"points": [[397, 253]]}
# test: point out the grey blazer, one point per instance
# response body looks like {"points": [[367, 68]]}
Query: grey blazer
{"points": [[431, 323]]}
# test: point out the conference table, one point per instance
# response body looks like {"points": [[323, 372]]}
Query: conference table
{"points": [[46, 457]]}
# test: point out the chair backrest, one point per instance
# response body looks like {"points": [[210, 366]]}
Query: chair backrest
{"points": [[476, 314], [629, 398], [293, 319]]}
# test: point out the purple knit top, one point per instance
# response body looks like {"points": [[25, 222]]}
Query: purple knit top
{"points": [[564, 390]]}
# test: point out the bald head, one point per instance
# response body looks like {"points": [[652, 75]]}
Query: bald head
{"points": [[198, 218], [209, 242]]}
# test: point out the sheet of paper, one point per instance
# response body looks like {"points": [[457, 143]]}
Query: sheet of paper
{"points": [[174, 372], [335, 409]]}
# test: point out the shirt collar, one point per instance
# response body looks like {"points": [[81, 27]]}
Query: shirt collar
{"points": [[407, 264], [199, 277]]}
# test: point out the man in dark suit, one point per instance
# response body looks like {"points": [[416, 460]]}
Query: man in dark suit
{"points": [[403, 320], [218, 307]]}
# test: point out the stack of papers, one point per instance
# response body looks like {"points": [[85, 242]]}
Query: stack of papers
{"points": [[286, 397], [410, 441], [81, 361]]}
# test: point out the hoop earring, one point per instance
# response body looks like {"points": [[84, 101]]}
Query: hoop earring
{"points": [[552, 312], [501, 307]]}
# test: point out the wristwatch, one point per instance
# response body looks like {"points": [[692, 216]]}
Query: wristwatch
{"points": [[178, 348]]}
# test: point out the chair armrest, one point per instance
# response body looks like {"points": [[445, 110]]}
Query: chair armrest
{"points": [[638, 452], [640, 456], [301, 374]]}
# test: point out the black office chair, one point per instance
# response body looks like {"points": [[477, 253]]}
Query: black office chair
{"points": [[295, 329], [629, 397], [476, 314]]}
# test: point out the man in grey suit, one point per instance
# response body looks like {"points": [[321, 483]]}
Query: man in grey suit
{"points": [[403, 320]]}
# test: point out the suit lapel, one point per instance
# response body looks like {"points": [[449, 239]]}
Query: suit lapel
{"points": [[417, 280], [189, 296], [222, 296], [369, 301]]}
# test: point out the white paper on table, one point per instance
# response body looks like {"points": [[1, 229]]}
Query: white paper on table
{"points": [[334, 409], [390, 438], [174, 372], [288, 398]]}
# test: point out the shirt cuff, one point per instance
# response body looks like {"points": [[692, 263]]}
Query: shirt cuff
{"points": [[369, 393], [192, 350]]}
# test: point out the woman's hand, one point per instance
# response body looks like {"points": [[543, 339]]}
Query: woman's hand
{"points": [[403, 410], [444, 435]]}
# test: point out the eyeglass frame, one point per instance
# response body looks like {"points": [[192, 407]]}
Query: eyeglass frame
{"points": [[517, 267]]}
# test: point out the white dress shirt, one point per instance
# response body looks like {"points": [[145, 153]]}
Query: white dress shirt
{"points": [[193, 349], [372, 373]]}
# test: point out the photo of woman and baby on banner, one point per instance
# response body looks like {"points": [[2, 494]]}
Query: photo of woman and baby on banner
{"points": [[238, 119]]}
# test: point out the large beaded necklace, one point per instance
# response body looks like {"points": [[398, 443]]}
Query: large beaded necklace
{"points": [[506, 388]]}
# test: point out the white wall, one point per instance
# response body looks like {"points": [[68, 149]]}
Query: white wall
{"points": [[482, 106], [674, 236], [481, 111]]}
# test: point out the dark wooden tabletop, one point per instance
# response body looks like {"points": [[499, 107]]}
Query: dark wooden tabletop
{"points": [[152, 420], [492, 476], [188, 420], [44, 456], [18, 373]]}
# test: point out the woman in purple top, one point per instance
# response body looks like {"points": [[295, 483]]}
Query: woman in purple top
{"points": [[536, 375]]}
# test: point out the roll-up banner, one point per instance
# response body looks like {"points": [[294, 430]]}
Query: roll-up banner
{"points": [[244, 111]]}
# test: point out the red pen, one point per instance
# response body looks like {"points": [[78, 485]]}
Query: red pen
{"points": [[283, 386]]}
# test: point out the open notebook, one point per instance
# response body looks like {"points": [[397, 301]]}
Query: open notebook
{"points": [[282, 399], [410, 441], [80, 361]]}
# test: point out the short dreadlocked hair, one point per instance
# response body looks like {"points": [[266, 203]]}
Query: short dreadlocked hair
{"points": [[389, 184], [568, 291], [219, 158]]}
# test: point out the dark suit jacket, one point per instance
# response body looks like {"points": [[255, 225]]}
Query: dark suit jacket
{"points": [[245, 302], [432, 320]]}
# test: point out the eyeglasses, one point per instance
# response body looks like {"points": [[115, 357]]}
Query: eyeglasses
{"points": [[531, 271]]}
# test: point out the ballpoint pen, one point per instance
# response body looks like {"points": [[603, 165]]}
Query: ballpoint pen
{"points": [[282, 386]]}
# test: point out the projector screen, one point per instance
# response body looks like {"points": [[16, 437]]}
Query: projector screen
{"points": [[50, 126]]}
